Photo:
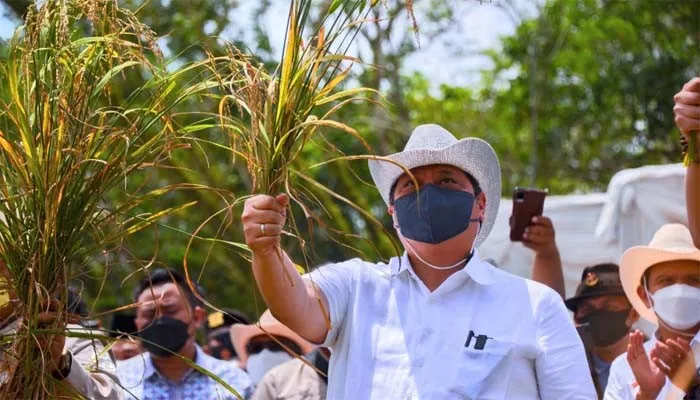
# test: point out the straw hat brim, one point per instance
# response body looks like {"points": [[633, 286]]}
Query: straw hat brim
{"points": [[472, 155], [242, 334], [636, 260]]}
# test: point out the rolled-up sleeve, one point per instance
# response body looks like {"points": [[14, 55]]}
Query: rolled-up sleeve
{"points": [[93, 371], [336, 281], [561, 365]]}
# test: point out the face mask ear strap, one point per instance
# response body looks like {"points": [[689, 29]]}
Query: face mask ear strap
{"points": [[479, 220]]}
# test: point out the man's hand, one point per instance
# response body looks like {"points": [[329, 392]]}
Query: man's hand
{"points": [[649, 377], [539, 237], [263, 220], [687, 107], [675, 358], [546, 265], [52, 343]]}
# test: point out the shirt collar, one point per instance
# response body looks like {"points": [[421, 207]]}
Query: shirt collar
{"points": [[696, 339], [201, 359], [476, 268]]}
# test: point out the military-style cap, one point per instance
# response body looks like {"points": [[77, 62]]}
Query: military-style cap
{"points": [[122, 324], [226, 318], [598, 280]]}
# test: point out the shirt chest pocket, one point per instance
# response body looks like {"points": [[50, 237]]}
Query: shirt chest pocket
{"points": [[482, 371]]}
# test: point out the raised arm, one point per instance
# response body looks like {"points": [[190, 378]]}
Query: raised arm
{"points": [[291, 299], [546, 266], [687, 117], [692, 201]]}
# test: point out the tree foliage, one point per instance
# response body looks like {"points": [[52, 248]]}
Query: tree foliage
{"points": [[577, 93], [593, 89]]}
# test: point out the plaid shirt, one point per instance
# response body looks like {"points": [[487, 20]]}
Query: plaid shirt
{"points": [[141, 380]]}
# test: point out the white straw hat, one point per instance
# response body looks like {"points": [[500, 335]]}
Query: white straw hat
{"points": [[672, 242], [433, 145]]}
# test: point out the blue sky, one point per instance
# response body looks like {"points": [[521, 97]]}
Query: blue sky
{"points": [[482, 23]]}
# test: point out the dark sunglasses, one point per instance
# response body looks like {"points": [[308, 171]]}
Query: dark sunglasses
{"points": [[254, 347]]}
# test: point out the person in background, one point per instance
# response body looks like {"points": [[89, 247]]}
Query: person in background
{"points": [[546, 266], [219, 344], [265, 345], [297, 379], [687, 116], [169, 314], [662, 281], [80, 362], [604, 317], [123, 330], [76, 306], [437, 322]]}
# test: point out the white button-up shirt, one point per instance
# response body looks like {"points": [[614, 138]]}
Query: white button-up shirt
{"points": [[622, 384], [483, 334]]}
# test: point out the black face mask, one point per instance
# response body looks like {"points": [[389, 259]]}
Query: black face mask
{"points": [[164, 336], [224, 340], [606, 327]]}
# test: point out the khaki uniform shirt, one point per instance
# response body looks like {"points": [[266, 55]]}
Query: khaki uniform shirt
{"points": [[93, 370], [293, 380]]}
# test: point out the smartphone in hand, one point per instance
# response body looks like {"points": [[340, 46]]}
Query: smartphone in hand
{"points": [[527, 203]]}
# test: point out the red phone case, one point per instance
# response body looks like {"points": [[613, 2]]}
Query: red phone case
{"points": [[527, 203]]}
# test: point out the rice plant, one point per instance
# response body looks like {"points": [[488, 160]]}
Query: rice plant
{"points": [[64, 145], [270, 116]]}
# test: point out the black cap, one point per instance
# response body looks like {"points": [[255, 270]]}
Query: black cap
{"points": [[76, 304], [122, 323], [598, 280]]}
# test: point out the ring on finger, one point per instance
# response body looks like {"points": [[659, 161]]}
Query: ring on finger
{"points": [[262, 229]]}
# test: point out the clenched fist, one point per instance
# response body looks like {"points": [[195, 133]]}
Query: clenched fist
{"points": [[687, 107], [263, 220], [539, 236]]}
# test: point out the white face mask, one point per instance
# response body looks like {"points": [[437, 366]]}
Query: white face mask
{"points": [[678, 305], [259, 363]]}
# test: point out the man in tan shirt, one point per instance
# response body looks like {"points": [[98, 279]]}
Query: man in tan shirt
{"points": [[297, 379], [82, 363]]}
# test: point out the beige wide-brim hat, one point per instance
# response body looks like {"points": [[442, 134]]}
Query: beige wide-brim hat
{"points": [[432, 145], [241, 334], [672, 242]]}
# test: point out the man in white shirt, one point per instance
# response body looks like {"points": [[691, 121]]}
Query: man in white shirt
{"points": [[438, 322], [662, 281]]}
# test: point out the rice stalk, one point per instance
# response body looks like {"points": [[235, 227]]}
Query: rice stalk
{"points": [[271, 115], [64, 146]]}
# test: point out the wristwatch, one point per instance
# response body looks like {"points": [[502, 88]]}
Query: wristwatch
{"points": [[64, 366]]}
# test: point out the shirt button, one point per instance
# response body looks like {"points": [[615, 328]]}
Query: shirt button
{"points": [[419, 363]]}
